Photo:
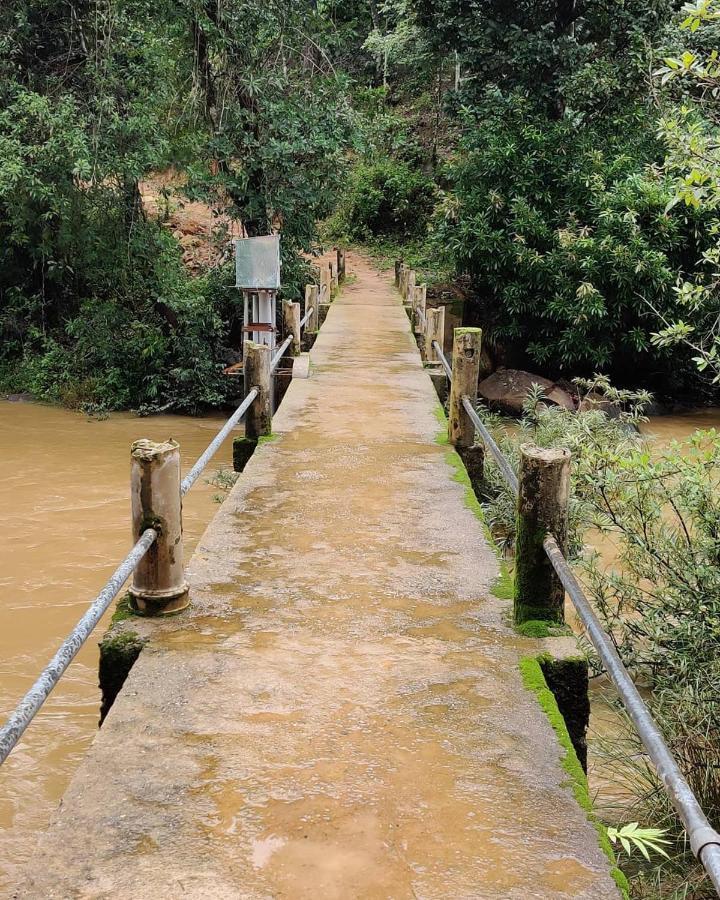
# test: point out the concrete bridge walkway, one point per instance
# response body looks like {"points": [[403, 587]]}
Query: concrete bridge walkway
{"points": [[340, 714]]}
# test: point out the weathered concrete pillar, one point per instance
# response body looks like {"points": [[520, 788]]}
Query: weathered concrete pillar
{"points": [[398, 271], [434, 331], [258, 419], [341, 264], [568, 679], [291, 321], [466, 369], [404, 272], [312, 301], [467, 343], [410, 281], [325, 285], [420, 305], [159, 587], [334, 278], [542, 509]]}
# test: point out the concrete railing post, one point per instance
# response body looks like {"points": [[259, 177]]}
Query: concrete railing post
{"points": [[542, 509], [159, 587], [467, 343], [398, 272], [420, 306], [466, 373], [334, 277], [341, 264], [291, 321], [325, 283], [312, 301], [410, 287], [404, 272], [258, 419], [434, 331]]}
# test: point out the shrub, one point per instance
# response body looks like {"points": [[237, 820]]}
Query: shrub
{"points": [[385, 197], [564, 232]]}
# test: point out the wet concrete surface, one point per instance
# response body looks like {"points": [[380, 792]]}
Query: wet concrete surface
{"points": [[340, 713]]}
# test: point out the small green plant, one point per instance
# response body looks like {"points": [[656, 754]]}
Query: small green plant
{"points": [[224, 479], [631, 837]]}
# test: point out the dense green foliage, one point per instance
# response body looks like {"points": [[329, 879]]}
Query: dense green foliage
{"points": [[95, 305]]}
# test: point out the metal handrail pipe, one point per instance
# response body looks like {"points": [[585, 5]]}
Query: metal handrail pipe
{"points": [[306, 318], [497, 453], [280, 352], [28, 707], [443, 359], [704, 840], [214, 445]]}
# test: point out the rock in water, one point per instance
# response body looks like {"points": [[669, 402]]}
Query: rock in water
{"points": [[507, 389]]}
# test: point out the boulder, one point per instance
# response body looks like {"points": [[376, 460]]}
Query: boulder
{"points": [[506, 390]]}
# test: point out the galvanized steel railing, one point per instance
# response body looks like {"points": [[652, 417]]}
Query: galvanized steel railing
{"points": [[31, 703], [704, 839]]}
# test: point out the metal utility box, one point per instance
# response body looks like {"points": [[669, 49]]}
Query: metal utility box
{"points": [[257, 274], [257, 263]]}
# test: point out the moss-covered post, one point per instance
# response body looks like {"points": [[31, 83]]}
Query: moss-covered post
{"points": [[467, 344], [312, 301], [434, 331], [542, 510], [258, 419], [398, 272], [159, 585], [341, 264], [291, 322]]}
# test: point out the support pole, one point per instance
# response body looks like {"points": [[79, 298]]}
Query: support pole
{"points": [[404, 272], [312, 301], [410, 280], [341, 264], [159, 587], [420, 305], [461, 430], [291, 321], [258, 419], [398, 272], [466, 372], [334, 280], [434, 331], [542, 510], [325, 281]]}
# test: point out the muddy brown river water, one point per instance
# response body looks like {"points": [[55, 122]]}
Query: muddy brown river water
{"points": [[64, 525]]}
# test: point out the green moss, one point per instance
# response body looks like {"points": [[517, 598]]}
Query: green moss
{"points": [[267, 438], [123, 610], [119, 651], [534, 680], [460, 331], [503, 586]]}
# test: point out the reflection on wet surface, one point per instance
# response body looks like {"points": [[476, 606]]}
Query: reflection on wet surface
{"points": [[64, 525]]}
